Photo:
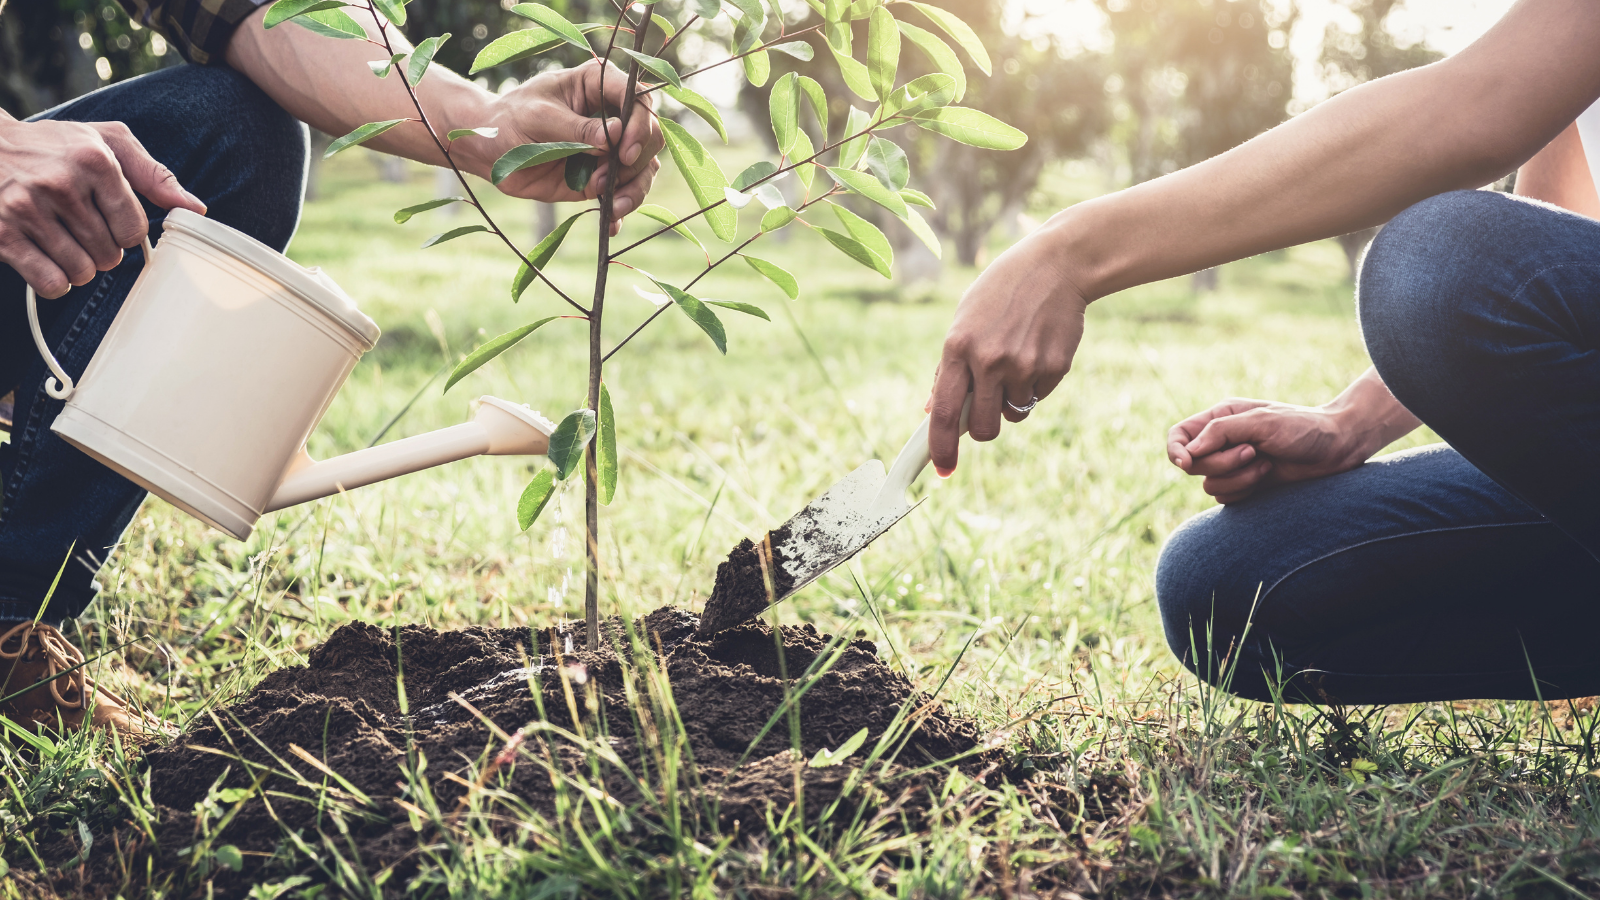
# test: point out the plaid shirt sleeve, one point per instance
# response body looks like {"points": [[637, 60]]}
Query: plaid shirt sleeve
{"points": [[199, 29]]}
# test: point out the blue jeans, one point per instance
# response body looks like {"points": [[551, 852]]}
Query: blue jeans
{"points": [[1463, 571], [231, 146]]}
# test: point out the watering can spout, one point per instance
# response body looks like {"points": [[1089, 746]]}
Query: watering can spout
{"points": [[498, 428]]}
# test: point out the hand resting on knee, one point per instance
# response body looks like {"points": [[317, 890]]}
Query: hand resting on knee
{"points": [[1241, 446]]}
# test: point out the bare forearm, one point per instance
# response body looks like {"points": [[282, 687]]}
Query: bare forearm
{"points": [[326, 84], [1352, 162]]}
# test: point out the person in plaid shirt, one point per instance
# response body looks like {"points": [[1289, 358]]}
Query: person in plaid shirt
{"points": [[223, 136]]}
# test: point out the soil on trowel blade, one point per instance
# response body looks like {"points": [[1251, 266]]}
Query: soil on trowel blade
{"points": [[343, 711], [741, 591]]}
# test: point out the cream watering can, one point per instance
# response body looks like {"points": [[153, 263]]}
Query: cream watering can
{"points": [[222, 360]]}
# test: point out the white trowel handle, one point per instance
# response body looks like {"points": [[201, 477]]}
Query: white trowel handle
{"points": [[913, 459]]}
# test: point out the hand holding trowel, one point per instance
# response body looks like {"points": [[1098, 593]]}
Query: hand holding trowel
{"points": [[831, 529]]}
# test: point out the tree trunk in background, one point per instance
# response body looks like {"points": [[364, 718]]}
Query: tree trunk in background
{"points": [[1354, 245], [319, 146], [544, 220]]}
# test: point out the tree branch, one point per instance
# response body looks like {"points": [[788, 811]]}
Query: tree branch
{"points": [[472, 197]]}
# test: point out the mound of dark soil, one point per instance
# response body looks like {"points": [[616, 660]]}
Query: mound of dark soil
{"points": [[747, 581], [343, 711]]}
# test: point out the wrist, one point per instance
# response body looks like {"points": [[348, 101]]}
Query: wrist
{"points": [[1072, 241], [465, 105]]}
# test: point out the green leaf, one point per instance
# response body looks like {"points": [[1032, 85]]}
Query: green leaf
{"points": [[361, 135], [776, 218], [540, 255], [667, 217], [854, 73], [284, 10], [404, 215], [776, 274], [919, 227], [700, 106], [917, 198], [927, 92], [865, 232], [752, 21], [756, 171], [757, 68], [798, 49], [803, 150], [554, 21], [535, 497], [969, 126], [656, 66], [850, 151], [784, 107], [740, 306], [939, 53], [452, 234], [819, 102], [486, 132], [578, 170], [836, 32], [333, 23], [826, 757], [749, 309], [606, 453], [704, 176], [869, 187], [381, 67], [698, 313], [667, 31], [490, 349], [888, 163], [229, 856], [517, 45], [422, 57], [883, 51], [568, 441], [770, 196], [959, 30], [518, 158], [393, 10], [856, 251], [708, 9], [233, 795]]}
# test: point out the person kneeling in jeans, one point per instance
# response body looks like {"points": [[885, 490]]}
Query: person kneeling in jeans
{"points": [[1471, 570], [221, 136]]}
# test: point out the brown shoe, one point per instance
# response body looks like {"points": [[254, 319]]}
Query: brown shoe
{"points": [[63, 696]]}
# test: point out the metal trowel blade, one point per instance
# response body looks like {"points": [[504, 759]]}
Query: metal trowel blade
{"points": [[838, 525]]}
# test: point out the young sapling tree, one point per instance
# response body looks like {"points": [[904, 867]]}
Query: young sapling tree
{"points": [[849, 156]]}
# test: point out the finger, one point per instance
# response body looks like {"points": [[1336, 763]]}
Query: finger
{"points": [[88, 228], [144, 173], [988, 396], [57, 243], [1016, 401], [944, 415], [1244, 480], [35, 267], [1243, 428], [1224, 462]]}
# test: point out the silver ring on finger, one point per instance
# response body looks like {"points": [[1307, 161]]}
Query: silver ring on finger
{"points": [[1024, 409]]}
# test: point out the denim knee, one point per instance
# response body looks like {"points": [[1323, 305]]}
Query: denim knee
{"points": [[1190, 569], [223, 137]]}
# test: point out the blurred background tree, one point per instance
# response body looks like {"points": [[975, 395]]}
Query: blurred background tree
{"points": [[1352, 58]]}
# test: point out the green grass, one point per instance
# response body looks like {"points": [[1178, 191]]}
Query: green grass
{"points": [[1037, 559]]}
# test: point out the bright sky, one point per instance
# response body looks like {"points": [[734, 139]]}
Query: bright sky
{"points": [[1447, 25]]}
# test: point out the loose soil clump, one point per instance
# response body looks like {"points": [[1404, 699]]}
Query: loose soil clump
{"points": [[338, 721], [742, 588]]}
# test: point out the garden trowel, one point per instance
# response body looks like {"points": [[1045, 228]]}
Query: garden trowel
{"points": [[829, 530]]}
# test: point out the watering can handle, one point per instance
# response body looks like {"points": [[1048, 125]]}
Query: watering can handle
{"points": [[60, 386]]}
